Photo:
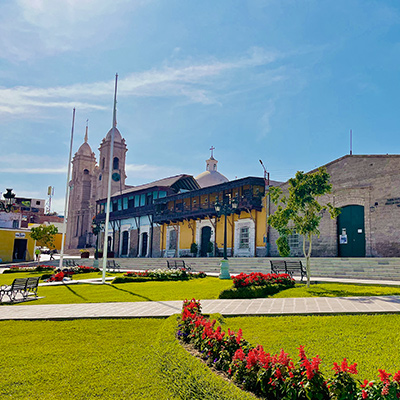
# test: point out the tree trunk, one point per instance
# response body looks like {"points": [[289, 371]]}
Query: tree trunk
{"points": [[307, 255]]}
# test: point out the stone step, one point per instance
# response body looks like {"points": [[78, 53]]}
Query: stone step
{"points": [[360, 268]]}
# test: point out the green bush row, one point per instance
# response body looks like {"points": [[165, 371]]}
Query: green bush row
{"points": [[126, 279], [251, 292]]}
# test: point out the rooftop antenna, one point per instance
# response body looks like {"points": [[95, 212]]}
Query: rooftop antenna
{"points": [[351, 142]]}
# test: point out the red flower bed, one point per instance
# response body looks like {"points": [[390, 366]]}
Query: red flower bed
{"points": [[277, 376], [259, 279]]}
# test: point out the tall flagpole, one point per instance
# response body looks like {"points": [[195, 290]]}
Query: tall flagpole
{"points": [[105, 246], [66, 204]]}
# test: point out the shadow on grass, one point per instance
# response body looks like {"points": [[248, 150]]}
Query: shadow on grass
{"points": [[131, 293], [74, 293]]}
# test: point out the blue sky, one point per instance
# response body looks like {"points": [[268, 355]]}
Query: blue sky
{"points": [[279, 80]]}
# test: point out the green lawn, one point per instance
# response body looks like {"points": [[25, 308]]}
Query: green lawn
{"points": [[207, 288], [140, 359], [80, 359], [370, 340], [338, 290], [108, 359]]}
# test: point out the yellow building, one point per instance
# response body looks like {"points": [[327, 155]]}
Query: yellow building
{"points": [[191, 217], [16, 245]]}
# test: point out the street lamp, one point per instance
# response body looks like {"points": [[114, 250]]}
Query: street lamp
{"points": [[97, 227], [6, 206], [227, 207]]}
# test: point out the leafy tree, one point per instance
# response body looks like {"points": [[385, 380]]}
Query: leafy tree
{"points": [[299, 211], [44, 235]]}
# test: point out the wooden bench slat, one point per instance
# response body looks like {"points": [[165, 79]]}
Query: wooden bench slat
{"points": [[22, 286], [289, 267]]}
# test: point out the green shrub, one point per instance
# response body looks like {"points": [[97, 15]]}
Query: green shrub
{"points": [[251, 292], [13, 270], [186, 376]]}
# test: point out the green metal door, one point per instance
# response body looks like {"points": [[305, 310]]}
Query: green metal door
{"points": [[351, 232]]}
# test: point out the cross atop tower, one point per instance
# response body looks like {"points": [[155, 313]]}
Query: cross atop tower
{"points": [[212, 148], [86, 133]]}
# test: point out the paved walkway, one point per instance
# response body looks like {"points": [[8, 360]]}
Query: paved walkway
{"points": [[289, 306]]}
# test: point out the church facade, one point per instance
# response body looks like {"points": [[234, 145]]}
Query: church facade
{"points": [[89, 183]]}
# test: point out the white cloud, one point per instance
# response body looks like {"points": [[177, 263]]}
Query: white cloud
{"points": [[32, 28], [31, 164], [142, 173], [195, 83], [266, 119]]}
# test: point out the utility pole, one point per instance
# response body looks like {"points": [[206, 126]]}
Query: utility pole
{"points": [[268, 208]]}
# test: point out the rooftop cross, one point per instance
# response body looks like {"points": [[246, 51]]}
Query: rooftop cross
{"points": [[212, 148], [86, 134]]}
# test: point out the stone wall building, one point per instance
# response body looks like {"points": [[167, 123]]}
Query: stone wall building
{"points": [[367, 189]]}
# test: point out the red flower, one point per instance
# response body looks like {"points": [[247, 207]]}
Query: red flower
{"points": [[239, 355], [396, 377], [364, 394], [383, 375], [336, 368], [353, 369], [363, 385]]}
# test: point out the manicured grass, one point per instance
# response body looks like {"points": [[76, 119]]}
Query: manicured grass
{"points": [[206, 288], [370, 340], [338, 290], [7, 279], [110, 359]]}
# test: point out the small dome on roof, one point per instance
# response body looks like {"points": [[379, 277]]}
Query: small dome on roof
{"points": [[210, 178], [84, 150], [117, 135]]}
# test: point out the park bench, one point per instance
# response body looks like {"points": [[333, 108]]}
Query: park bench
{"points": [[178, 264], [288, 267], [23, 286], [70, 263], [113, 266]]}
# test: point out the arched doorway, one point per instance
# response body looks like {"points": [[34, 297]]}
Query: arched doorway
{"points": [[351, 231], [205, 239]]}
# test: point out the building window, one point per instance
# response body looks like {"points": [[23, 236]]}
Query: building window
{"points": [[125, 203], [116, 163], [37, 202], [244, 238], [15, 224], [103, 161], [119, 204], [294, 240], [100, 177], [85, 172], [131, 202], [77, 226]]}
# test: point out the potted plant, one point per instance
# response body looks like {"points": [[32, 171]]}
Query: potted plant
{"points": [[84, 253], [193, 249]]}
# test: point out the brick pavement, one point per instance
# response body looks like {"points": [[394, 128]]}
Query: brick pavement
{"points": [[287, 306]]}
